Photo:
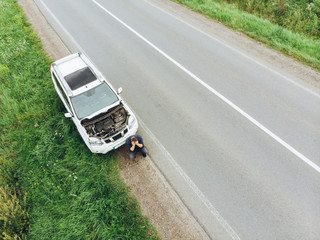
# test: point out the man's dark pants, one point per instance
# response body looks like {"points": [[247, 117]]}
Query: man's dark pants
{"points": [[132, 155]]}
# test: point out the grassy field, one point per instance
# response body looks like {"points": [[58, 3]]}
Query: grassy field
{"points": [[51, 186], [302, 16], [301, 42]]}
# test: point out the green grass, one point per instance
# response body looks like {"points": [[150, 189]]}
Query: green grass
{"points": [[297, 45], [302, 16], [58, 188]]}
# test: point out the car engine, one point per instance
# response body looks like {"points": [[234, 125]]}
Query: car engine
{"points": [[107, 124]]}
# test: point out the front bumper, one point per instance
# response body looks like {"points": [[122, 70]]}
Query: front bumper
{"points": [[107, 147]]}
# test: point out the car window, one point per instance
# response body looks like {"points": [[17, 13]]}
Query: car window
{"points": [[80, 78], [65, 99], [93, 100]]}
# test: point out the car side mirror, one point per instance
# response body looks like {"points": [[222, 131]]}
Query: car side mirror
{"points": [[119, 90], [68, 115]]}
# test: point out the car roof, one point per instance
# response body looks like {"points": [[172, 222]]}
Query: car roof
{"points": [[71, 65], [76, 71]]}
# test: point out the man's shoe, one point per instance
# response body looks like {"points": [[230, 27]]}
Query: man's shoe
{"points": [[144, 154]]}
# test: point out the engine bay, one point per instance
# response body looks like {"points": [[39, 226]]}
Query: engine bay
{"points": [[107, 124]]}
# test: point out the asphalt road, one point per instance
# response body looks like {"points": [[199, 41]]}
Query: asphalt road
{"points": [[238, 141]]}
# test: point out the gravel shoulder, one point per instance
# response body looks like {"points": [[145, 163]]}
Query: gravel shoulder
{"points": [[157, 199]]}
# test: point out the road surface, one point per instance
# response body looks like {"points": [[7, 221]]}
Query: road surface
{"points": [[238, 140]]}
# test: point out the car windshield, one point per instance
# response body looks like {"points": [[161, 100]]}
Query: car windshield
{"points": [[93, 100]]}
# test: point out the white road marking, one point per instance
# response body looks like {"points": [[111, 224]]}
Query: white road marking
{"points": [[238, 51], [219, 95], [192, 185], [61, 26]]}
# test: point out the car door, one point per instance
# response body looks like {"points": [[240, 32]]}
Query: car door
{"points": [[61, 93]]}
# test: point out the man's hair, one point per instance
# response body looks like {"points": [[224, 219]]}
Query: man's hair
{"points": [[133, 139]]}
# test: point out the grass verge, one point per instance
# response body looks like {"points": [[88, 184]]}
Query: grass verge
{"points": [[296, 45], [51, 185]]}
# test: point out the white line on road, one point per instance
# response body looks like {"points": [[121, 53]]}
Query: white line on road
{"points": [[61, 26], [192, 185], [223, 98], [238, 51]]}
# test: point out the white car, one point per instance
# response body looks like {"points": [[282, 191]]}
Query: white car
{"points": [[102, 118]]}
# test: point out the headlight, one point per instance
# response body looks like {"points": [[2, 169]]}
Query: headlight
{"points": [[95, 141], [131, 121]]}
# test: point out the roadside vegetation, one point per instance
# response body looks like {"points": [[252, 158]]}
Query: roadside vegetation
{"points": [[51, 185], [289, 26]]}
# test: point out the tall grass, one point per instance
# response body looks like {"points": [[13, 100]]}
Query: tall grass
{"points": [[52, 186], [302, 16], [14, 216], [297, 45]]}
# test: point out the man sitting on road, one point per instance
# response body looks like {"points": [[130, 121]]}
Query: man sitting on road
{"points": [[135, 144]]}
